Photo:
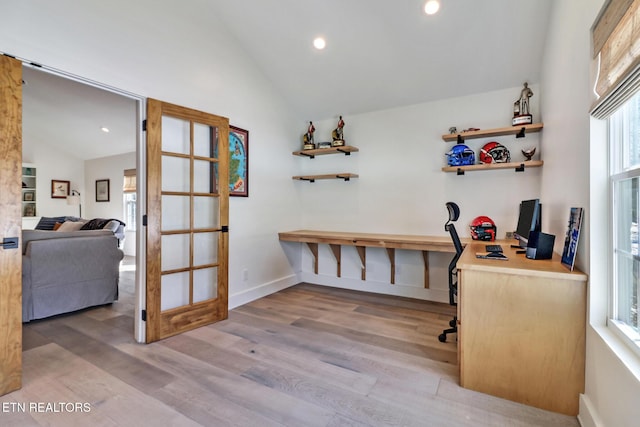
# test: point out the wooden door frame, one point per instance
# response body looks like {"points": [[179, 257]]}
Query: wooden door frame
{"points": [[11, 225]]}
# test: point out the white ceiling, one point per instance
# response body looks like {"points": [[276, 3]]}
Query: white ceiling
{"points": [[387, 53], [69, 115], [380, 54]]}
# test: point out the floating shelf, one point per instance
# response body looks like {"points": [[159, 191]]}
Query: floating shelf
{"points": [[311, 178], [345, 149], [486, 133], [518, 166]]}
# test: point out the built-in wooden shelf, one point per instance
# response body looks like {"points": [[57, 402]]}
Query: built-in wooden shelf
{"points": [[519, 131], [311, 178], [518, 166], [345, 149]]}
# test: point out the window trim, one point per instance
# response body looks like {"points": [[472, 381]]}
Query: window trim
{"points": [[615, 158]]}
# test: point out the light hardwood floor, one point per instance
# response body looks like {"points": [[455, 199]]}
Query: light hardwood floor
{"points": [[306, 356]]}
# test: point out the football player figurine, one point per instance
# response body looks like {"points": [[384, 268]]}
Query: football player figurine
{"points": [[337, 135], [521, 113], [308, 138]]}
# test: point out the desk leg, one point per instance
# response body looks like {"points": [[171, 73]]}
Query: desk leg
{"points": [[363, 258], [392, 260], [336, 253], [313, 247], [425, 257]]}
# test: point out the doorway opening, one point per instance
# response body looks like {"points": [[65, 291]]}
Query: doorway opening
{"points": [[88, 134]]}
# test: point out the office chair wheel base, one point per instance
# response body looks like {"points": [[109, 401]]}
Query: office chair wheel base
{"points": [[442, 337]]}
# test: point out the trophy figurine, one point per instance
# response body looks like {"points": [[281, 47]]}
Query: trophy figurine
{"points": [[307, 138], [521, 114], [529, 153], [337, 135]]}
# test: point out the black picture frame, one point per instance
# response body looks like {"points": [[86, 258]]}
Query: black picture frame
{"points": [[102, 190]]}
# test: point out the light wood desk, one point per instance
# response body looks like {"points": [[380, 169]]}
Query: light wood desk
{"points": [[521, 329], [337, 239]]}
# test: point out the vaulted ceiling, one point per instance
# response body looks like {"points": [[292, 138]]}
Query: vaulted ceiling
{"points": [[380, 54]]}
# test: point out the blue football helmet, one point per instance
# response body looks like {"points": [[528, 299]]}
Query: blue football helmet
{"points": [[461, 155]]}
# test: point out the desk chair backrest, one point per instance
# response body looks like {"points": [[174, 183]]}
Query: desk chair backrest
{"points": [[454, 214]]}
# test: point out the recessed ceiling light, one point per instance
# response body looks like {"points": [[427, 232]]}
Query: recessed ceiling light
{"points": [[431, 7], [104, 129], [319, 43]]}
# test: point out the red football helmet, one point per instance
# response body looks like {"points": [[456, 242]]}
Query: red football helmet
{"points": [[494, 152], [483, 228]]}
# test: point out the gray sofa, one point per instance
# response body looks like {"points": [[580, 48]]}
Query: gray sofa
{"points": [[68, 271]]}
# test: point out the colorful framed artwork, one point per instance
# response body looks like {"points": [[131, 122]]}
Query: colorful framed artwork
{"points": [[59, 189], [238, 162], [571, 238], [102, 190]]}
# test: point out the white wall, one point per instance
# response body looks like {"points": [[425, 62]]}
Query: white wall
{"points": [[50, 164], [402, 189], [134, 46], [111, 168], [575, 165]]}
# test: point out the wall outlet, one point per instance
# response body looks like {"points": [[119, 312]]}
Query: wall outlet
{"points": [[510, 235], [245, 275]]}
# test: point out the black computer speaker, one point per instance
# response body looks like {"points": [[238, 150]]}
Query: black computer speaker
{"points": [[540, 245]]}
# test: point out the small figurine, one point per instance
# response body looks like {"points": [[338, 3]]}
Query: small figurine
{"points": [[521, 112], [529, 153], [453, 130], [337, 135], [308, 138]]}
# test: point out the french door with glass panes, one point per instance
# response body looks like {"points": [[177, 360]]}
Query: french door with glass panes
{"points": [[187, 219]]}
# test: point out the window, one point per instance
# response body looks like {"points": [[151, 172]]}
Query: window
{"points": [[130, 210], [624, 146], [129, 198]]}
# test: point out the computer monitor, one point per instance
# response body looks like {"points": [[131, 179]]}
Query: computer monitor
{"points": [[528, 220]]}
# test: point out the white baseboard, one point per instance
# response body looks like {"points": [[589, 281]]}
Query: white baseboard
{"points": [[438, 295], [587, 416], [246, 296]]}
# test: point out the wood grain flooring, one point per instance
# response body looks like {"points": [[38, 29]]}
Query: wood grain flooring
{"points": [[306, 356]]}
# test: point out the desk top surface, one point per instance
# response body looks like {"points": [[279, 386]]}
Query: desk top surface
{"points": [[398, 241], [516, 263]]}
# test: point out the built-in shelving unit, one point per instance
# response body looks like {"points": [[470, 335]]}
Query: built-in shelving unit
{"points": [[518, 131], [518, 166], [28, 190], [344, 149]]}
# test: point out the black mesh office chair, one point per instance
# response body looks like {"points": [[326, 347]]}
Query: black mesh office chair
{"points": [[454, 214]]}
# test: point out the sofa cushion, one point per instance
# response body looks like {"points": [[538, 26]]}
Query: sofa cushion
{"points": [[70, 226], [47, 223]]}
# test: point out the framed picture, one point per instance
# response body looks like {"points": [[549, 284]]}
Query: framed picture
{"points": [[59, 189], [28, 196], [102, 190], [238, 162], [571, 238]]}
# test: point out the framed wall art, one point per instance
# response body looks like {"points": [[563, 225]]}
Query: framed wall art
{"points": [[102, 190], [59, 189], [238, 162]]}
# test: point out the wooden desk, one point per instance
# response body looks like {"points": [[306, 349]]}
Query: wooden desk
{"points": [[337, 239], [521, 329]]}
